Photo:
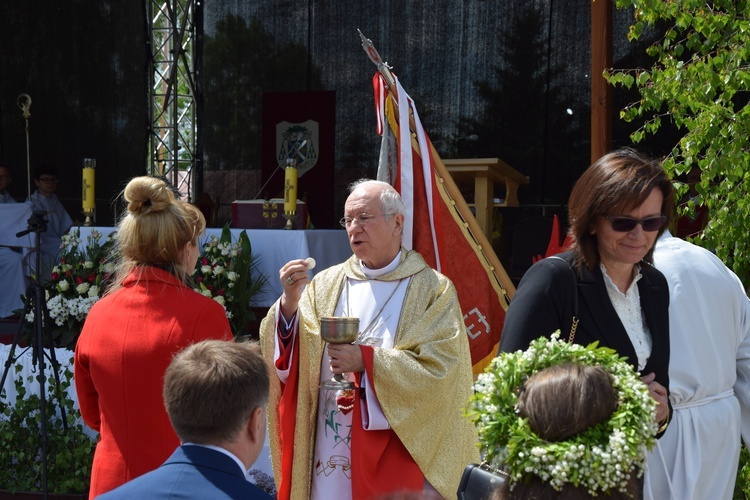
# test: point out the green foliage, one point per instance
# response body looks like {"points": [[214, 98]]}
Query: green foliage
{"points": [[699, 83], [228, 273], [742, 486], [69, 453], [598, 458]]}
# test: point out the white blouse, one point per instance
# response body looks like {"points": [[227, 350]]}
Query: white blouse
{"points": [[628, 307]]}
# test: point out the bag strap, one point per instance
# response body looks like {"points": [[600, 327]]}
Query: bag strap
{"points": [[574, 325]]}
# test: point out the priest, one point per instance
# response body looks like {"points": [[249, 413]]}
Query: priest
{"points": [[402, 428]]}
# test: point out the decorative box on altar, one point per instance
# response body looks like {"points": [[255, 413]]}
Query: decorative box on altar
{"points": [[266, 214]]}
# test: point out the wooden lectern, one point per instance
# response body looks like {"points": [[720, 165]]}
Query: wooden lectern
{"points": [[485, 172]]}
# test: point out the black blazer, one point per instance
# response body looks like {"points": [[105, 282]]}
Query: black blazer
{"points": [[545, 302]]}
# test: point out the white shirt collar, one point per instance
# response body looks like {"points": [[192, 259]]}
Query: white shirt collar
{"points": [[374, 273]]}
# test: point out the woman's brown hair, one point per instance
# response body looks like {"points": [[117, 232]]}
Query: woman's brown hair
{"points": [[617, 182]]}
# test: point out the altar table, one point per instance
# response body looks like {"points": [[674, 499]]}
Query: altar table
{"points": [[273, 248]]}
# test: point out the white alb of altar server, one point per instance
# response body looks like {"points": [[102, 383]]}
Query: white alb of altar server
{"points": [[58, 223], [13, 219], [709, 376]]}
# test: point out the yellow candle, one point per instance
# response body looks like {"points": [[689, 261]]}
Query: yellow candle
{"points": [[87, 196], [290, 190]]}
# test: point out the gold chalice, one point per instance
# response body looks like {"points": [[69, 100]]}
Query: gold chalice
{"points": [[339, 330]]}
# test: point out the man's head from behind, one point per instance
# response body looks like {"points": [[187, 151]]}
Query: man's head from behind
{"points": [[213, 389]]}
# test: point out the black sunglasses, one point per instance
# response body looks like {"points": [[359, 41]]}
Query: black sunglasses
{"points": [[627, 224]]}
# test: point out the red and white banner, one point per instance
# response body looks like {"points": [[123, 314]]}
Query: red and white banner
{"points": [[434, 225]]}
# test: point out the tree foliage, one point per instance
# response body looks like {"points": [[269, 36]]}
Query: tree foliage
{"points": [[699, 81]]}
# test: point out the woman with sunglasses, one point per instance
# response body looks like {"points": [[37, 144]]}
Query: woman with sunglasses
{"points": [[606, 281]]}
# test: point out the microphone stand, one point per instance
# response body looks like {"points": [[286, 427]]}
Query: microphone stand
{"points": [[35, 294]]}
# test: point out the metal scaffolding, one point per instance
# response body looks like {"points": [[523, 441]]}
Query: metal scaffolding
{"points": [[174, 145]]}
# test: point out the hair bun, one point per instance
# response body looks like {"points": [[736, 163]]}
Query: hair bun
{"points": [[147, 194]]}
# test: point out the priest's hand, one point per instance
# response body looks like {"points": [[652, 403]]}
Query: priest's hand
{"points": [[293, 276], [346, 358]]}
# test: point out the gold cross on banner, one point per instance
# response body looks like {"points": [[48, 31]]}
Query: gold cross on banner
{"points": [[270, 212]]}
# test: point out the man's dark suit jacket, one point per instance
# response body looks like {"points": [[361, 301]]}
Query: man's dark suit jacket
{"points": [[545, 302], [192, 472]]}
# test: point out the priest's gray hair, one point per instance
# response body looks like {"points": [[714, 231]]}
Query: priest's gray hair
{"points": [[390, 201]]}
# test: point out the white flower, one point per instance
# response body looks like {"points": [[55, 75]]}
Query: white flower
{"points": [[94, 291], [219, 299], [63, 285], [207, 293], [206, 269], [218, 270], [82, 288], [88, 264], [232, 276]]}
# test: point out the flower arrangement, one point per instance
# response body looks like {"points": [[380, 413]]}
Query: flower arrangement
{"points": [[76, 283], [601, 458], [227, 272]]}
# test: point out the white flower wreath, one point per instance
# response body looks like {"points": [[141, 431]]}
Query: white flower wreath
{"points": [[601, 458]]}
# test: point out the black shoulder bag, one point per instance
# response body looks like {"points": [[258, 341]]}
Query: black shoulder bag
{"points": [[574, 325]]}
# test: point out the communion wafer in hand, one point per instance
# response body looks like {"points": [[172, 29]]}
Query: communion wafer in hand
{"points": [[310, 263]]}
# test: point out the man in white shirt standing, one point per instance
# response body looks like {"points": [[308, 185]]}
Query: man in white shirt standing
{"points": [[709, 376]]}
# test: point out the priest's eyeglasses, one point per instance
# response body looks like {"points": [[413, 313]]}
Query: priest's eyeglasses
{"points": [[627, 224], [362, 219]]}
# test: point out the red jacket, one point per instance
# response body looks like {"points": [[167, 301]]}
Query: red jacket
{"points": [[127, 342]]}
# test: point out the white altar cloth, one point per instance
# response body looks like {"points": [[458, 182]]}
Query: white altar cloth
{"points": [[275, 247]]}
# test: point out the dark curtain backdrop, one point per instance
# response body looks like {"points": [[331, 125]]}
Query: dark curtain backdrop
{"points": [[84, 65], [515, 74]]}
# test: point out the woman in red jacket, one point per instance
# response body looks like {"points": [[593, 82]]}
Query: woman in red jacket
{"points": [[132, 333]]}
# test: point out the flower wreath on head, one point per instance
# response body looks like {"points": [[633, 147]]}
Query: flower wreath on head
{"points": [[601, 458]]}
